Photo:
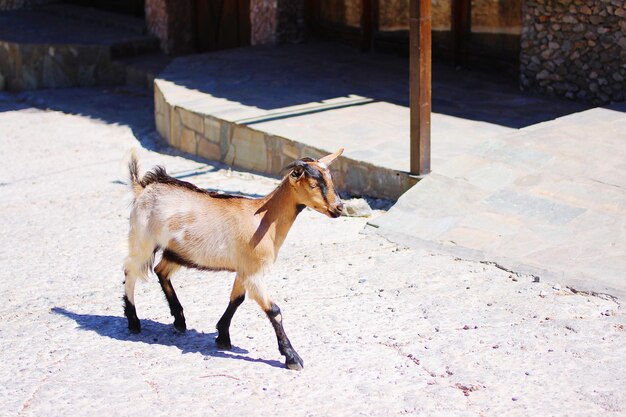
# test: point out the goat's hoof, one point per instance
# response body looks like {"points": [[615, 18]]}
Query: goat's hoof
{"points": [[223, 343], [294, 362], [180, 326], [134, 328]]}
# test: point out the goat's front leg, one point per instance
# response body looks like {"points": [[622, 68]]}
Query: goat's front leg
{"points": [[257, 291], [237, 295]]}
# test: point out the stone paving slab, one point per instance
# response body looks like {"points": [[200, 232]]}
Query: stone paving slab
{"points": [[548, 199], [290, 101]]}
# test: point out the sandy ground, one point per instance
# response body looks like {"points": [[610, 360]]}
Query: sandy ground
{"points": [[383, 330]]}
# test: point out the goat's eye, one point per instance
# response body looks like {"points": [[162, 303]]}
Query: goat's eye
{"points": [[312, 185]]}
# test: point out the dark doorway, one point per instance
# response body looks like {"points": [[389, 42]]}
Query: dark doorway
{"points": [[128, 7], [222, 24]]}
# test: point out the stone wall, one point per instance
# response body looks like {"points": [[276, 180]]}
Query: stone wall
{"points": [[271, 21], [35, 66], [263, 22], [276, 21], [575, 48], [340, 12], [497, 16], [171, 22], [394, 14]]}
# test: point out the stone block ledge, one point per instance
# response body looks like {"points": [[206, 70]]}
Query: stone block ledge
{"points": [[45, 49], [185, 120]]}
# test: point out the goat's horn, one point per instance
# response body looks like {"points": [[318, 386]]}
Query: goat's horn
{"points": [[328, 159]]}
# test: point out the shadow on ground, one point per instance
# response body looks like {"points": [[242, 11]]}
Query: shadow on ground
{"points": [[308, 73], [123, 105], [318, 71], [154, 333]]}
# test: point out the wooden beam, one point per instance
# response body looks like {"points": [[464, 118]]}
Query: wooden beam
{"points": [[420, 84]]}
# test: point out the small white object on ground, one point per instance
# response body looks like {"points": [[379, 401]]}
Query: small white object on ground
{"points": [[357, 207]]}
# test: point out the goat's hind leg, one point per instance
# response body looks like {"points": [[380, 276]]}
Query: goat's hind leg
{"points": [[164, 270], [131, 273], [237, 295], [137, 265]]}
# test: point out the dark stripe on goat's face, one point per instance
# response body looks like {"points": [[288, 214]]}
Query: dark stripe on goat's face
{"points": [[317, 175], [172, 256]]}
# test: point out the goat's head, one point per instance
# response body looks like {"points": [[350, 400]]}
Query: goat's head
{"points": [[313, 184]]}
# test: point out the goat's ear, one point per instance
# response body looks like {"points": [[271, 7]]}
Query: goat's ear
{"points": [[296, 172], [328, 159]]}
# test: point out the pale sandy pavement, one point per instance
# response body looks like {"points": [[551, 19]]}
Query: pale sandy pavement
{"points": [[383, 330]]}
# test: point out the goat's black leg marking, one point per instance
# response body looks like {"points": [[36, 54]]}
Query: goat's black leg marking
{"points": [[293, 360], [131, 314], [223, 337], [175, 308]]}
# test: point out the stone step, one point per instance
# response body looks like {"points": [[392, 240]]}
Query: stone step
{"points": [[100, 17], [66, 46], [143, 69], [133, 48], [546, 199], [231, 106]]}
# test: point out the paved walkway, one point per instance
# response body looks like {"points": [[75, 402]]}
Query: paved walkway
{"points": [[548, 199], [321, 96], [508, 184]]}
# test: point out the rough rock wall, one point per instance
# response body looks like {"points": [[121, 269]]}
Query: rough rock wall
{"points": [[171, 22], [341, 12], [394, 14], [276, 21], [263, 22], [500, 16], [575, 48], [440, 14]]}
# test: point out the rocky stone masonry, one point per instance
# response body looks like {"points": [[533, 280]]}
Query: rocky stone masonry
{"points": [[279, 21], [575, 49], [262, 22], [171, 22], [30, 67], [271, 21]]}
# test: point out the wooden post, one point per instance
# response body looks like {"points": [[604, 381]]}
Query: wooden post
{"points": [[420, 85]]}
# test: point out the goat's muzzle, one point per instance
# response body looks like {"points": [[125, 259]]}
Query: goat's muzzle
{"points": [[336, 211]]}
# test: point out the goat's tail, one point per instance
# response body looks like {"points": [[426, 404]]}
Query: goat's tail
{"points": [[133, 169]]}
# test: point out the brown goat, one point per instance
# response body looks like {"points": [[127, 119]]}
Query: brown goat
{"points": [[205, 230]]}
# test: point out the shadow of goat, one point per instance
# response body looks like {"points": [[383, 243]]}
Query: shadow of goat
{"points": [[157, 333]]}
